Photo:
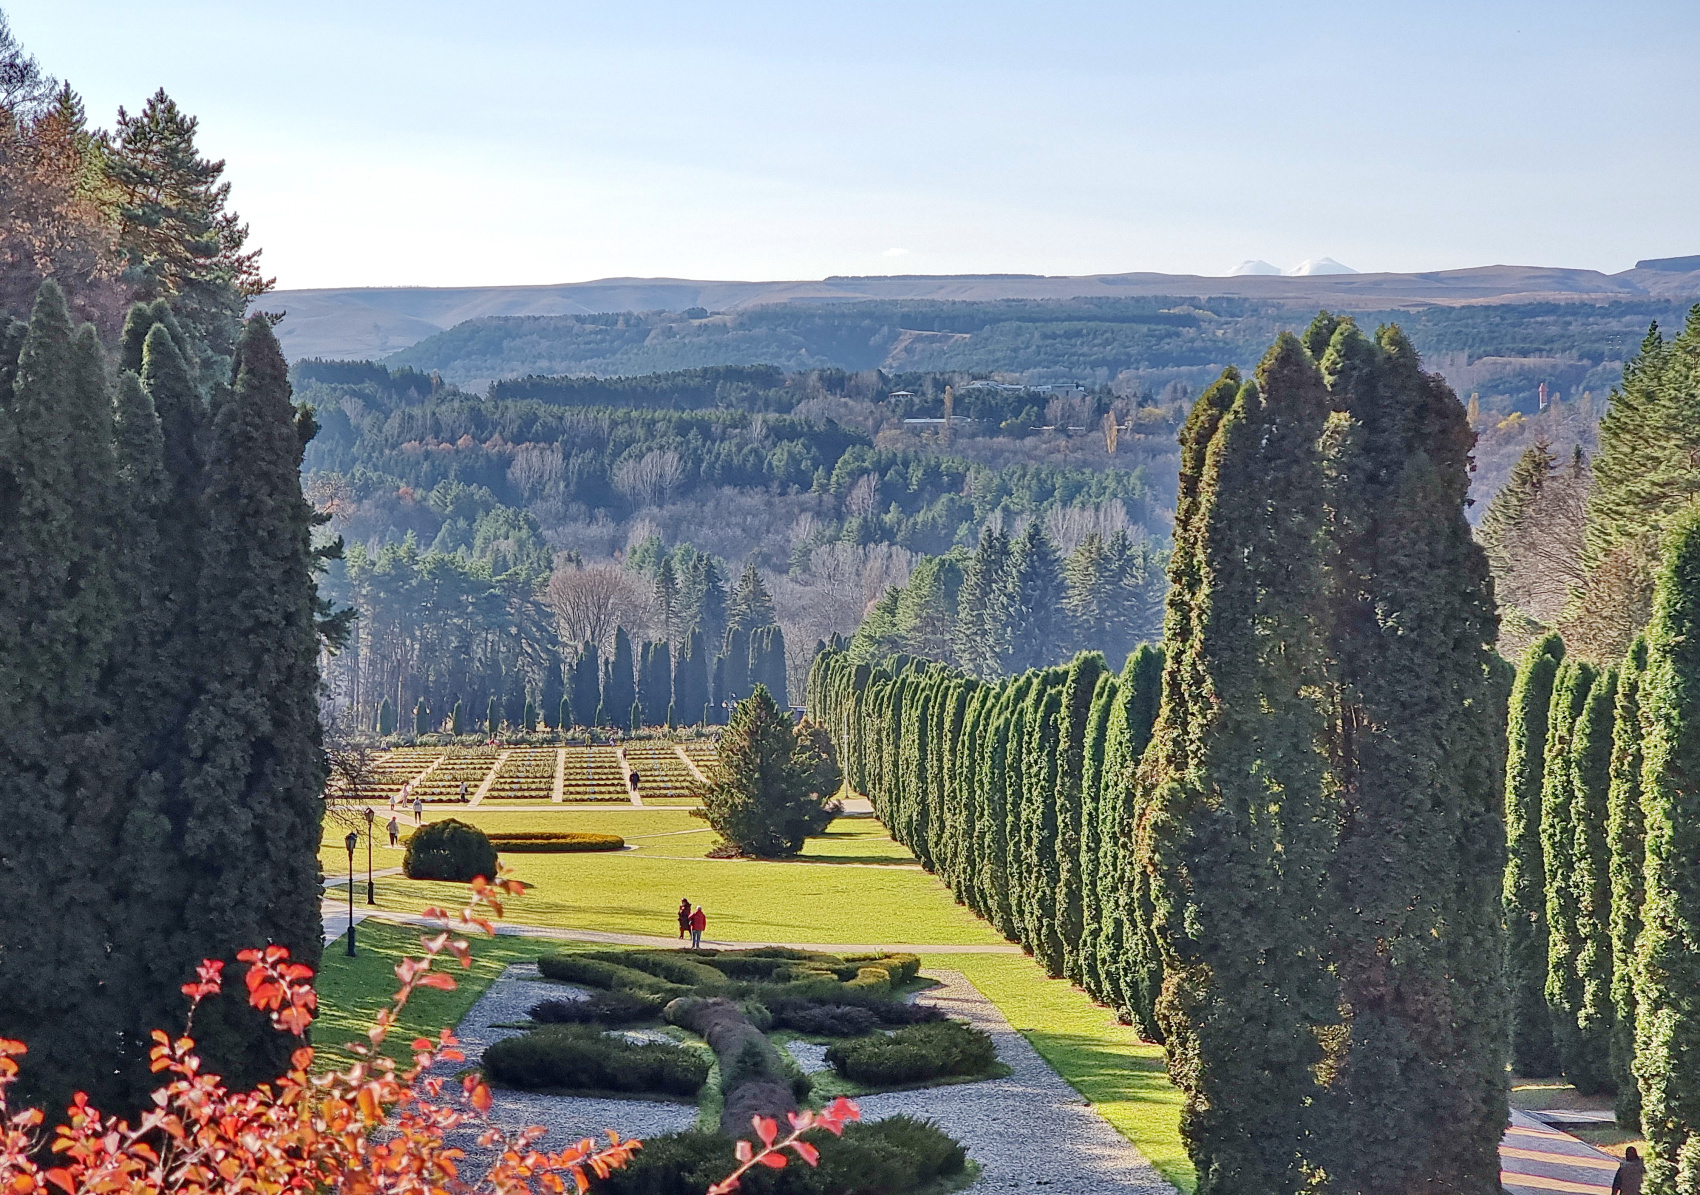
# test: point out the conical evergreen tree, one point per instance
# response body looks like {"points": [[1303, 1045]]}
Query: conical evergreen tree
{"points": [[655, 682], [1558, 847], [1068, 913], [1512, 503], [1534, 1051], [690, 678], [256, 768], [1588, 1064], [981, 631], [493, 718], [59, 783], [1625, 837], [751, 607], [1667, 967], [458, 725], [1033, 590], [620, 691], [1130, 960], [1246, 983], [586, 692], [421, 718]]}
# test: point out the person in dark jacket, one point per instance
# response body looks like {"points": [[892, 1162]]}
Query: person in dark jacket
{"points": [[1627, 1181], [684, 917], [699, 922]]}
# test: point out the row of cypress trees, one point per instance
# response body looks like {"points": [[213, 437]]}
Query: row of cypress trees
{"points": [[1014, 792], [1297, 880], [1602, 896], [160, 760]]}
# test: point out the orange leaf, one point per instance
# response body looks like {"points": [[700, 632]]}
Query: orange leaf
{"points": [[772, 1161], [438, 979], [481, 1098], [807, 1152], [61, 1178]]}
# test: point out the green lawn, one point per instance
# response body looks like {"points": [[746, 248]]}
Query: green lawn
{"points": [[817, 899]]}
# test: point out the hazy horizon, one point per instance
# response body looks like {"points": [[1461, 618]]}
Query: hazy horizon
{"points": [[535, 144]]}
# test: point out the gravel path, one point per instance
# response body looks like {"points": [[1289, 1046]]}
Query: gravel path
{"points": [[568, 1119], [1006, 1122]]}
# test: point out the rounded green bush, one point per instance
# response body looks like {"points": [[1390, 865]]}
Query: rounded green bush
{"points": [[449, 850], [943, 1049], [582, 1057]]}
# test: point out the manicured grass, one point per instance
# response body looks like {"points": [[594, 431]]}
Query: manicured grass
{"points": [[1534, 1095], [352, 990], [1124, 1078]]}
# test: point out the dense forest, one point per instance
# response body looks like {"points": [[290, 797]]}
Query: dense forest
{"points": [[1503, 352]]}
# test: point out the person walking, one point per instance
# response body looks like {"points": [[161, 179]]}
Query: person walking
{"points": [[699, 922], [418, 810], [632, 783], [395, 831], [463, 790], [1627, 1180], [684, 918]]}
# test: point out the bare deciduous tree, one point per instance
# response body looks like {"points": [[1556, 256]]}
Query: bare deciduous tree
{"points": [[1067, 526], [590, 601], [652, 479], [862, 496]]}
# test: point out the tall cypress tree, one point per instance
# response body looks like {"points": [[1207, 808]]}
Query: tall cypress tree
{"points": [[690, 680], [1245, 987], [1416, 742], [59, 786], [655, 682], [1092, 898], [1589, 1068], [1558, 845], [256, 771], [1625, 832], [586, 694], [1534, 1052], [620, 693], [1070, 796], [1130, 959], [1667, 967], [1040, 874]]}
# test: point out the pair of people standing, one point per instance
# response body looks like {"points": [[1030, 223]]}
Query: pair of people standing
{"points": [[693, 922]]}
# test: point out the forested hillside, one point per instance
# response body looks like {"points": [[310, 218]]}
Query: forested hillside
{"points": [[1504, 352]]}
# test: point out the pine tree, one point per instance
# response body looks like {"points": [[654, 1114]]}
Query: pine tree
{"points": [[58, 787], [586, 695], [702, 599], [1245, 984], [1667, 967], [256, 768], [1512, 503], [620, 691], [1625, 832], [1558, 847], [877, 637], [1534, 1051]]}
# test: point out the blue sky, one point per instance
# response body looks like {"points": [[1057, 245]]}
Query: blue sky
{"points": [[484, 142]]}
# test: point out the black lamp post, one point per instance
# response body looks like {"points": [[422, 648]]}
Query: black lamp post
{"points": [[352, 841], [371, 892]]}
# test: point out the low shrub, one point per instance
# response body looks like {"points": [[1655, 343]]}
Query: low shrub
{"points": [[582, 1057], [600, 1008], [673, 966], [555, 842], [827, 1020], [914, 1055], [449, 850], [894, 1156], [754, 1079], [570, 967]]}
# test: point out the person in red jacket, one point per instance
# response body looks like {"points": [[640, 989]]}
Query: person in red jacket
{"points": [[699, 922]]}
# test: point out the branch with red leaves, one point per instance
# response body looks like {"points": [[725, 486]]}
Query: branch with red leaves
{"points": [[832, 1118]]}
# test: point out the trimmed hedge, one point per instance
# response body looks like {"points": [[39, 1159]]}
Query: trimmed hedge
{"points": [[449, 850], [601, 1008], [828, 1020], [914, 1055], [754, 1079], [583, 1058], [894, 1156], [593, 972], [555, 842]]}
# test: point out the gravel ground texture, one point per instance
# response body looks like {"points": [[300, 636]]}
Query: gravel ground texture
{"points": [[568, 1119], [1009, 1124]]}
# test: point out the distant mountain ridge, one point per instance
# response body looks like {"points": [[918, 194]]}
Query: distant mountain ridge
{"points": [[371, 322]]}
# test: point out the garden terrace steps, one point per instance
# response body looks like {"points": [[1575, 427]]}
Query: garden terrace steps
{"points": [[1537, 1160], [484, 786], [626, 771], [558, 794]]}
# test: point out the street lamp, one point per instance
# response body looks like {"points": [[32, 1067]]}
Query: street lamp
{"points": [[352, 841], [371, 893]]}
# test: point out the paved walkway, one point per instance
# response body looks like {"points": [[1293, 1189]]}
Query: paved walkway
{"points": [[656, 941], [1536, 1160]]}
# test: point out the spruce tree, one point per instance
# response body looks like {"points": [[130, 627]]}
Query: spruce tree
{"points": [[1558, 846], [1033, 591], [1625, 840], [1534, 1051], [1511, 504], [927, 608], [772, 786], [982, 627], [59, 784], [750, 607], [256, 770], [1667, 966]]}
